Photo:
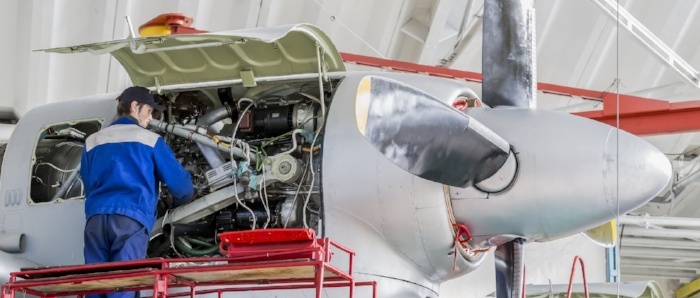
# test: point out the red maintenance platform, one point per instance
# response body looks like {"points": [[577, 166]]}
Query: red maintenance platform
{"points": [[258, 260]]}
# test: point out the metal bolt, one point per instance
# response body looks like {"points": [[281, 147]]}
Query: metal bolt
{"points": [[285, 167]]}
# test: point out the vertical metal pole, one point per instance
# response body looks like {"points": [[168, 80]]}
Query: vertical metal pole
{"points": [[132, 34], [7, 292], [508, 54], [352, 287], [611, 260], [319, 278], [352, 278], [510, 267]]}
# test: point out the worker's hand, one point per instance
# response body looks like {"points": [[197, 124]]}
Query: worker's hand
{"points": [[167, 201]]}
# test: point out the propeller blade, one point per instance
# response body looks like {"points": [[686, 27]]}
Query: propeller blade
{"points": [[508, 54], [604, 235], [425, 136]]}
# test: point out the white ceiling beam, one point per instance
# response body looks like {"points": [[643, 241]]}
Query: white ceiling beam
{"points": [[416, 30], [652, 221], [663, 233], [650, 41], [436, 32], [467, 34], [663, 264], [659, 243], [657, 273], [659, 253]]}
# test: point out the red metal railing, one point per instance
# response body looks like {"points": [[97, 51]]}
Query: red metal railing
{"points": [[571, 277], [160, 275]]}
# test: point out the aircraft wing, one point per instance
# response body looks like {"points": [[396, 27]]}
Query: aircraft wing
{"points": [[223, 56]]}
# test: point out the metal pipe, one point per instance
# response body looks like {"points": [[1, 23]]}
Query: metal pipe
{"points": [[664, 264], [464, 39], [132, 34], [170, 117], [12, 242], [650, 221], [659, 243], [213, 157], [190, 135], [649, 40], [663, 233], [199, 208], [659, 253], [657, 273], [67, 184], [577, 259]]}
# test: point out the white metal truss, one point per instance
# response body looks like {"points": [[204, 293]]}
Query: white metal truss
{"points": [[468, 30], [442, 31], [650, 41], [437, 30], [660, 247]]}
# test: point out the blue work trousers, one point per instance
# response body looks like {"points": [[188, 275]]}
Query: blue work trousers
{"points": [[113, 237]]}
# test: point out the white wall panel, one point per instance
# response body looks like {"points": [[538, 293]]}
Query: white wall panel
{"points": [[8, 56]]}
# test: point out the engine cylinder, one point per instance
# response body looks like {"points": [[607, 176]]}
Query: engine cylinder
{"points": [[244, 219], [272, 121]]}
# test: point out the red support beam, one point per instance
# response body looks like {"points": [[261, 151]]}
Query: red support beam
{"points": [[676, 117], [411, 67], [638, 115]]}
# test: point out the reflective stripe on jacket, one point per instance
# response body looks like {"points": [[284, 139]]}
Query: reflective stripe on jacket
{"points": [[121, 167]]}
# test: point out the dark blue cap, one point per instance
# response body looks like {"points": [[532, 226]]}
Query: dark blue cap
{"points": [[140, 95]]}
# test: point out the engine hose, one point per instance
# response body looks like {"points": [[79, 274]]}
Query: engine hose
{"points": [[199, 241], [213, 156], [212, 248]]}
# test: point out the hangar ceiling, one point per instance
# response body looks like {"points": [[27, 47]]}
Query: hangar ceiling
{"points": [[579, 44]]}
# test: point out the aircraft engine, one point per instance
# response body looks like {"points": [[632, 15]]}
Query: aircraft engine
{"points": [[251, 160]]}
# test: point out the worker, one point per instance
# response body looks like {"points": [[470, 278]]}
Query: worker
{"points": [[121, 168]]}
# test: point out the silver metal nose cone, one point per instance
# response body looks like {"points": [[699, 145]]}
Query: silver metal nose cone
{"points": [[635, 171]]}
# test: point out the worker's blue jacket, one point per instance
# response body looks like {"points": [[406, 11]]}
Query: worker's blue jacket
{"points": [[121, 167]]}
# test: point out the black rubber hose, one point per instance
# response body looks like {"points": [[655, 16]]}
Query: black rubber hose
{"points": [[210, 248]]}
